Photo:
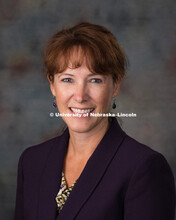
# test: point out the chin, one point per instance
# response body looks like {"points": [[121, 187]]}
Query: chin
{"points": [[80, 125], [83, 125]]}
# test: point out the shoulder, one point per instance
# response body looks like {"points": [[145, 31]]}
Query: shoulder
{"points": [[136, 151], [147, 179], [150, 180], [130, 151], [136, 157], [40, 149], [37, 155]]}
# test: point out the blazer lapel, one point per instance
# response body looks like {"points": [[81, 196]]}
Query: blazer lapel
{"points": [[93, 171], [51, 178]]}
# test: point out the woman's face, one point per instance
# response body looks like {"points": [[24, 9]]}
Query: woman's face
{"points": [[80, 91]]}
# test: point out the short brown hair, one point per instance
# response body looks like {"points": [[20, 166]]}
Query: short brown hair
{"points": [[97, 45]]}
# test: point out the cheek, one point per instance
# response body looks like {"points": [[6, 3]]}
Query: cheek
{"points": [[62, 95], [102, 96]]}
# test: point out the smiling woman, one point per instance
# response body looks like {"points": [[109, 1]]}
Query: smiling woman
{"points": [[94, 170], [86, 93]]}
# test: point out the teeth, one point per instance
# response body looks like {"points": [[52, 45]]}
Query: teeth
{"points": [[81, 111]]}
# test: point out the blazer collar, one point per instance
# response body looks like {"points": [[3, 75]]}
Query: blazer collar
{"points": [[88, 180], [51, 178]]}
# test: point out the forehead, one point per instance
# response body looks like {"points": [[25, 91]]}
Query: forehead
{"points": [[80, 56], [83, 70], [74, 57], [77, 57]]}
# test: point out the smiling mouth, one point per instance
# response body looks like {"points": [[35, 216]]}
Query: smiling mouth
{"points": [[81, 111]]}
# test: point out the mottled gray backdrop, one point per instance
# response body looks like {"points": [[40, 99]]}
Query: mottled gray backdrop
{"points": [[147, 32]]}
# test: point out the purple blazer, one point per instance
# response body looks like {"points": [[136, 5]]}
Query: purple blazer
{"points": [[122, 180]]}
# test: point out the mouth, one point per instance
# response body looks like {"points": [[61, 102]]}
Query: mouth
{"points": [[82, 111]]}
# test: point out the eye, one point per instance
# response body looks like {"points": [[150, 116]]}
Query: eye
{"points": [[96, 80], [67, 80]]}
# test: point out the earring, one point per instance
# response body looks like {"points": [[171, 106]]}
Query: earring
{"points": [[114, 104], [54, 102]]}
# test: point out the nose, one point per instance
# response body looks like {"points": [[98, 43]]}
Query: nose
{"points": [[81, 93]]}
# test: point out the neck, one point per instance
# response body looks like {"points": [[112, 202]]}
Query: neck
{"points": [[83, 144]]}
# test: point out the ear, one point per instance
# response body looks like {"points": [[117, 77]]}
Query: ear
{"points": [[117, 87], [52, 87]]}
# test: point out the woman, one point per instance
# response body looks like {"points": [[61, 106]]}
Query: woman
{"points": [[94, 170]]}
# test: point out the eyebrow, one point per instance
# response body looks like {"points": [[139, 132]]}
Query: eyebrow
{"points": [[69, 74]]}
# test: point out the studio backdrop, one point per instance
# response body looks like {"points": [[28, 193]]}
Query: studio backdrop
{"points": [[147, 32]]}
